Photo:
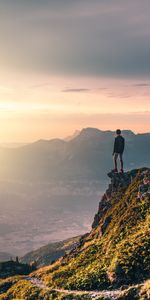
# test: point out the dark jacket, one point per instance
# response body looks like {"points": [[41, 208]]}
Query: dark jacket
{"points": [[119, 144]]}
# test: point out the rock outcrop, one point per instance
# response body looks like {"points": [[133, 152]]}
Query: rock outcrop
{"points": [[118, 181]]}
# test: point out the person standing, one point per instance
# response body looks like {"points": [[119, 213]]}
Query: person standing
{"points": [[118, 150]]}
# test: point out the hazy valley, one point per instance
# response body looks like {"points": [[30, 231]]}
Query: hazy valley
{"points": [[34, 214], [49, 190]]}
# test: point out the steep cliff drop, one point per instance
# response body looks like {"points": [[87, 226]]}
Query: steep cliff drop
{"points": [[110, 262]]}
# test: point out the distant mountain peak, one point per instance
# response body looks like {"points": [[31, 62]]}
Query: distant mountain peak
{"points": [[71, 137], [89, 132], [128, 132], [54, 140]]}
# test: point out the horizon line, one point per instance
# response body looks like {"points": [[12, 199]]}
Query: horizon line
{"points": [[15, 144]]}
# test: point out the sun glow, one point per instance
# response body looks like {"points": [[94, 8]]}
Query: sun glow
{"points": [[28, 107]]}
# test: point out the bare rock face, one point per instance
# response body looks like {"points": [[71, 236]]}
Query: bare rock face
{"points": [[104, 205], [105, 225], [118, 181]]}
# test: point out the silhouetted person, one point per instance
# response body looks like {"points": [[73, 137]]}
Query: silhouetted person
{"points": [[17, 259], [119, 144]]}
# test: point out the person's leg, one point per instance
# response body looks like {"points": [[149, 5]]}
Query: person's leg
{"points": [[121, 162], [115, 161]]}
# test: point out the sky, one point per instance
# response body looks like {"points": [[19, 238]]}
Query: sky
{"points": [[70, 64]]}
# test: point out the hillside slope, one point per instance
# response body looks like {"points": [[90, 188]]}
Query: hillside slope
{"points": [[46, 254], [115, 253]]}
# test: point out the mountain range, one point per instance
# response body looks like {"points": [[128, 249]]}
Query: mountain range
{"points": [[49, 190], [87, 155]]}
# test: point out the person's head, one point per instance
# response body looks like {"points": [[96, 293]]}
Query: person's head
{"points": [[145, 180], [118, 131]]}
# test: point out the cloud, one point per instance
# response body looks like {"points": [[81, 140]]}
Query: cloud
{"points": [[76, 90], [118, 96], [143, 84], [83, 37]]}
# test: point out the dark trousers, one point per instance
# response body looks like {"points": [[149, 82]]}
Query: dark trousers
{"points": [[120, 155]]}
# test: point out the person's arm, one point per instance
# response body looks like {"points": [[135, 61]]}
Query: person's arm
{"points": [[123, 144]]}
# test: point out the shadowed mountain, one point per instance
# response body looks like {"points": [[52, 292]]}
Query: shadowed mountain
{"points": [[51, 252]]}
